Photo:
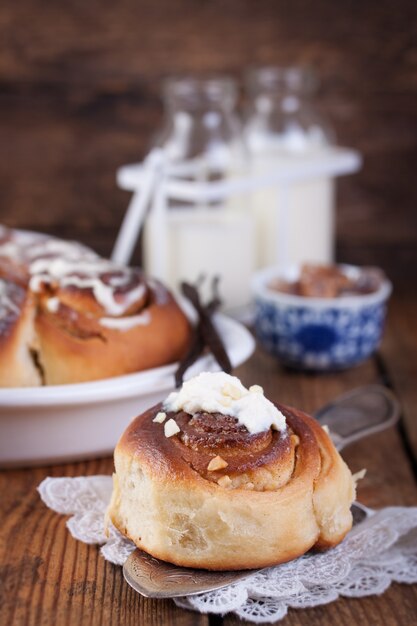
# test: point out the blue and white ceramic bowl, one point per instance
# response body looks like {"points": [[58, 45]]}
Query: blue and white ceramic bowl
{"points": [[318, 333]]}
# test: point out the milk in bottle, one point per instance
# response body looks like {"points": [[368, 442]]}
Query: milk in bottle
{"points": [[294, 223]]}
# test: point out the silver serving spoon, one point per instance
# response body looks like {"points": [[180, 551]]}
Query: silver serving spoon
{"points": [[350, 417]]}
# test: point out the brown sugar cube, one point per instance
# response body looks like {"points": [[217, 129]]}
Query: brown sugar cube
{"points": [[322, 281]]}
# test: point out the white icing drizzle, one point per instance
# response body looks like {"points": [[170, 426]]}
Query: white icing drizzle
{"points": [[62, 267], [104, 294], [126, 323], [67, 249], [36, 282], [64, 263], [10, 250], [118, 281], [26, 247], [219, 392], [65, 272], [52, 305]]}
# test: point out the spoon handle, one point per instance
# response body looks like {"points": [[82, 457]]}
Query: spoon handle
{"points": [[359, 413], [157, 579]]}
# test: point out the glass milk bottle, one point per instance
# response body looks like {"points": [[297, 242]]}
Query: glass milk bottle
{"points": [[282, 130], [212, 237]]}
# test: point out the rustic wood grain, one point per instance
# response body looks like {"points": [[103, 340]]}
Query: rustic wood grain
{"points": [[399, 353], [79, 89], [49, 578]]}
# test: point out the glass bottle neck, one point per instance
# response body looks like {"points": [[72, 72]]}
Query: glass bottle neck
{"points": [[278, 82], [196, 95]]}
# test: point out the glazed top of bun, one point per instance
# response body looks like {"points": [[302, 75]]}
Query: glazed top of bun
{"points": [[12, 296], [69, 316], [83, 280], [251, 485], [218, 448]]}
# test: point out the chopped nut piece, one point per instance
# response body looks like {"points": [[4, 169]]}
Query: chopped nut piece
{"points": [[226, 401], [224, 481], [160, 417], [217, 463], [52, 305], [256, 389], [329, 281], [295, 439], [232, 391], [171, 428], [358, 476]]}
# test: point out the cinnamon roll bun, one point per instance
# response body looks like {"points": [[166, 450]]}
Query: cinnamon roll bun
{"points": [[219, 478], [67, 315]]}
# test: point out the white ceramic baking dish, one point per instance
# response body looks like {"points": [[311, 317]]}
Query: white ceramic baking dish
{"points": [[42, 425]]}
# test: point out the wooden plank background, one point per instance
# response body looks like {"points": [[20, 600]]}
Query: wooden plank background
{"points": [[79, 96]]}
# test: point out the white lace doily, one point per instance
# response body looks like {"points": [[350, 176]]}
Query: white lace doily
{"points": [[378, 551]]}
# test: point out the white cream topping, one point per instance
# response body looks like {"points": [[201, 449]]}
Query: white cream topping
{"points": [[126, 323], [221, 393]]}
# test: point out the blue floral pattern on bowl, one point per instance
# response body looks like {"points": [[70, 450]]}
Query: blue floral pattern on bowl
{"points": [[319, 339]]}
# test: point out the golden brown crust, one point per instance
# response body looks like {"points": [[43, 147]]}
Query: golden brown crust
{"points": [[167, 502], [75, 348], [79, 318], [17, 340]]}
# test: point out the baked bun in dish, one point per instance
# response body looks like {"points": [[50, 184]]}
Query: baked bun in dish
{"points": [[219, 478], [69, 316]]}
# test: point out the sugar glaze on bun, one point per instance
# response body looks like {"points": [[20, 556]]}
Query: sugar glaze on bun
{"points": [[68, 315], [202, 490]]}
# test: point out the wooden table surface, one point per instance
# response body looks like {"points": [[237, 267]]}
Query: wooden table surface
{"points": [[48, 578]]}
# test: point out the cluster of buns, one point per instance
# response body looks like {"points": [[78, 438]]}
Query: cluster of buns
{"points": [[197, 488], [68, 316]]}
